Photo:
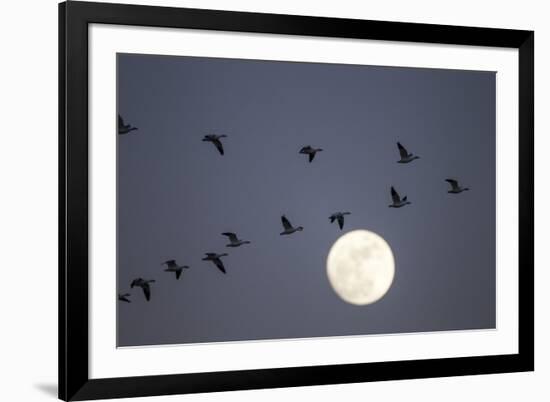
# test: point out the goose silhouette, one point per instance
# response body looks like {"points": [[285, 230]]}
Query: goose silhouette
{"points": [[339, 216], [288, 228], [234, 241], [124, 297], [455, 188], [124, 128], [144, 285], [398, 202], [173, 267], [310, 151], [215, 139], [406, 157], [216, 259]]}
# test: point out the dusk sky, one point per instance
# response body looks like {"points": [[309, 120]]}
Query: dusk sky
{"points": [[176, 195]]}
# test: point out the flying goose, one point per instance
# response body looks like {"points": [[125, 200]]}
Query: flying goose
{"points": [[339, 216], [173, 267], [124, 297], [455, 188], [143, 284], [289, 229], [216, 259], [234, 241], [397, 201], [406, 157], [215, 139], [124, 128], [309, 150]]}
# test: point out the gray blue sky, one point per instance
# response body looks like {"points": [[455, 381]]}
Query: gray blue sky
{"points": [[176, 194]]}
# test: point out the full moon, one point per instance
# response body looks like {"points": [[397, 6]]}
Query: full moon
{"points": [[360, 267]]}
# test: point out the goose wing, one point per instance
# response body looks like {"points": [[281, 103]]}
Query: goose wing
{"points": [[453, 183], [395, 196], [340, 221], [402, 151], [219, 264], [218, 144], [124, 298], [146, 291], [171, 264], [178, 273], [286, 223], [311, 156], [305, 149], [232, 237], [120, 121]]}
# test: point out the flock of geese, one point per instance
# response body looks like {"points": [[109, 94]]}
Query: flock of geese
{"points": [[288, 228]]}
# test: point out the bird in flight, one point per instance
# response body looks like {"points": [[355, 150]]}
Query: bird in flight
{"points": [[234, 241], [144, 285], [310, 151], [124, 128], [288, 228], [124, 297], [398, 202], [216, 259], [406, 157], [215, 139], [339, 216], [173, 267], [455, 188]]}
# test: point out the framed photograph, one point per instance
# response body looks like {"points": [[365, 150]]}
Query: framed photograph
{"points": [[256, 200]]}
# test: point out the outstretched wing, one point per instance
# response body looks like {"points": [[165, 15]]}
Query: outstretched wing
{"points": [[286, 223], [332, 218], [311, 156], [120, 121], [178, 273], [171, 264], [219, 264], [147, 291], [305, 149], [395, 196], [232, 237], [402, 151], [340, 221], [124, 298], [453, 183], [218, 145]]}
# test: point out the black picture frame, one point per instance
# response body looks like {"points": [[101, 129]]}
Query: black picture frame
{"points": [[74, 381]]}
